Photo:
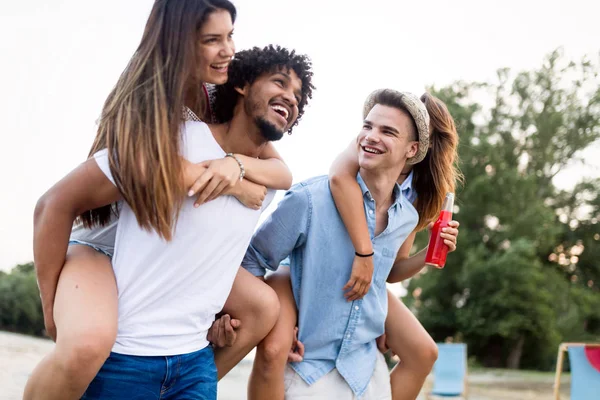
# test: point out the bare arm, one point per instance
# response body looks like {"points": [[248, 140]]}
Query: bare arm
{"points": [[85, 188], [212, 178], [348, 198], [349, 201], [406, 267], [269, 170]]}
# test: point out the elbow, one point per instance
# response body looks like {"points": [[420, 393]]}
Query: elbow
{"points": [[50, 206], [393, 279], [287, 182], [41, 207], [337, 181]]}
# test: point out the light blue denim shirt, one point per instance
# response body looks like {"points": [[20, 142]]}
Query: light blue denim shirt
{"points": [[407, 189], [306, 227]]}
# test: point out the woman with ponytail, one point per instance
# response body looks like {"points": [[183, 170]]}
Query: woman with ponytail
{"points": [[425, 183]]}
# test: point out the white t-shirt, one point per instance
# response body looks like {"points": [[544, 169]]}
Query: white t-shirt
{"points": [[169, 292]]}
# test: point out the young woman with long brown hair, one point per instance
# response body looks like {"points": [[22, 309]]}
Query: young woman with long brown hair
{"points": [[425, 180], [186, 44]]}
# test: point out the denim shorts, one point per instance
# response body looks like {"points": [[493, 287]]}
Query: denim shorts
{"points": [[184, 376], [106, 253]]}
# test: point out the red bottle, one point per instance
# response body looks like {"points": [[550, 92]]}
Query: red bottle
{"points": [[437, 250]]}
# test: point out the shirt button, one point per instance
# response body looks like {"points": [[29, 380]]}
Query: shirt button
{"points": [[356, 308], [371, 212], [347, 336]]}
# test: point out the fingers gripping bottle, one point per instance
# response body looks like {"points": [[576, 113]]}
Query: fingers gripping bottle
{"points": [[437, 250]]}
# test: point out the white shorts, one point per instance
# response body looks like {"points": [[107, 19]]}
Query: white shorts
{"points": [[333, 386]]}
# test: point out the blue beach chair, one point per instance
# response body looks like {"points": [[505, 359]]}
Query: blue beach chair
{"points": [[585, 378], [450, 371]]}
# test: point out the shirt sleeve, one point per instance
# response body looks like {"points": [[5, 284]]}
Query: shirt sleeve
{"points": [[283, 231], [101, 158]]}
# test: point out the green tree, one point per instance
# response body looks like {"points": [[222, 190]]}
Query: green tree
{"points": [[525, 275], [20, 304]]}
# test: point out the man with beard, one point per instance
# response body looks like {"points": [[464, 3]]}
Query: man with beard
{"points": [[170, 291]]}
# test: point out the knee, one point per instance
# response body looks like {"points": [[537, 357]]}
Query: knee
{"points": [[272, 355], [428, 354], [82, 357], [264, 312]]}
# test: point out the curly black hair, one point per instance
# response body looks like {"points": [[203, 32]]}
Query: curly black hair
{"points": [[249, 65]]}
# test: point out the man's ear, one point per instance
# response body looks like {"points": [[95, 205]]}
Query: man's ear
{"points": [[412, 150], [243, 90]]}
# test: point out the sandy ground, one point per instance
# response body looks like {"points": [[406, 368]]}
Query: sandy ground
{"points": [[19, 354]]}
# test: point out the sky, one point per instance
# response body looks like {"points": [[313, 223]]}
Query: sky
{"points": [[60, 59]]}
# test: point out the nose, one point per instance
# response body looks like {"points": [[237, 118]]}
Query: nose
{"points": [[372, 137], [228, 49], [290, 98]]}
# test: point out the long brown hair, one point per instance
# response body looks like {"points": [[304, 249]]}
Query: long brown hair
{"points": [[140, 120], [438, 173]]}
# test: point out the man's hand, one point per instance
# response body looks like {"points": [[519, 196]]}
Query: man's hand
{"points": [[49, 325], [382, 344], [296, 353], [222, 332], [360, 279]]}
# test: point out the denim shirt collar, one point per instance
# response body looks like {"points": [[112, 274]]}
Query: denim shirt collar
{"points": [[397, 193], [407, 188]]}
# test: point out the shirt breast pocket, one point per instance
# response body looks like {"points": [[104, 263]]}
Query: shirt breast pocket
{"points": [[383, 264]]}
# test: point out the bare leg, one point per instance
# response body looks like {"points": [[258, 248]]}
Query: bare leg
{"points": [[85, 313], [266, 379], [256, 305], [417, 351]]}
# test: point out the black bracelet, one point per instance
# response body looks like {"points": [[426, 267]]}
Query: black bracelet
{"points": [[363, 255]]}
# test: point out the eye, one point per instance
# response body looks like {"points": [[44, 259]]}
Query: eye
{"points": [[366, 126], [211, 40], [279, 82]]}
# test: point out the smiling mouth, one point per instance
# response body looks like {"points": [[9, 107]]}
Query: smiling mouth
{"points": [[282, 111], [371, 150], [221, 67]]}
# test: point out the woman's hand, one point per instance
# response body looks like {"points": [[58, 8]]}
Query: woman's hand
{"points": [[215, 177], [360, 278], [49, 325], [449, 234], [249, 194]]}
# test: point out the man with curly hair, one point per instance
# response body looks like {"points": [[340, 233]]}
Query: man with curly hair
{"points": [[170, 291]]}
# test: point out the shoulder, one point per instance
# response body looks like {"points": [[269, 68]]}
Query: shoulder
{"points": [[311, 186], [314, 184], [101, 158], [195, 127], [301, 196], [196, 131]]}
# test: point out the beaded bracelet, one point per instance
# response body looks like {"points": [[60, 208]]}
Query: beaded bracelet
{"points": [[242, 170]]}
